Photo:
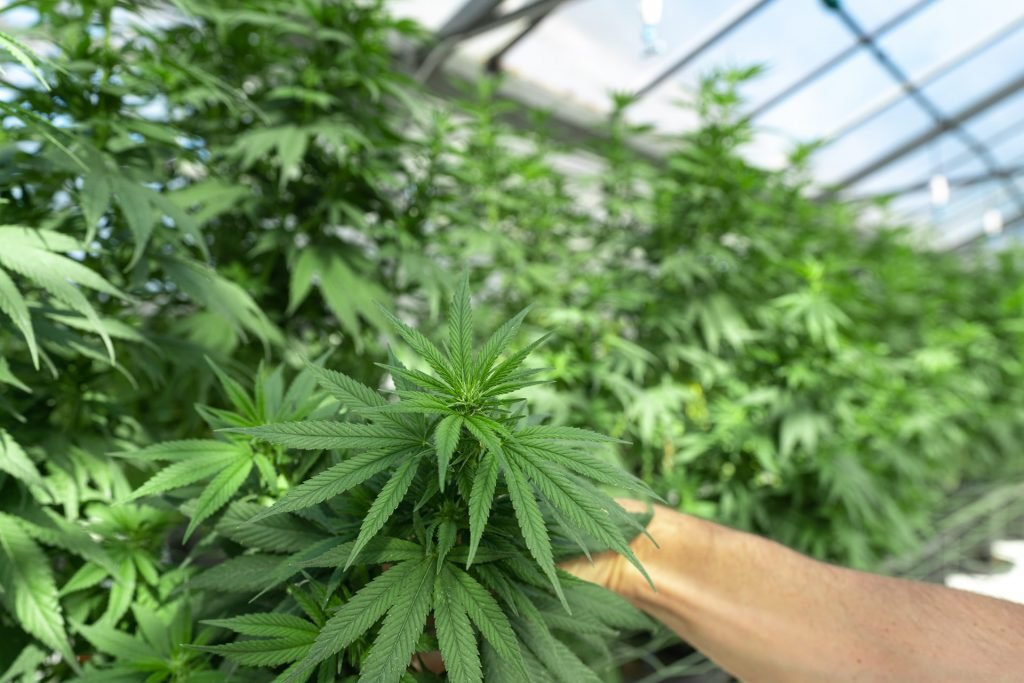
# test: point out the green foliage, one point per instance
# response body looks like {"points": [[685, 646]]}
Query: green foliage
{"points": [[393, 439], [192, 209]]}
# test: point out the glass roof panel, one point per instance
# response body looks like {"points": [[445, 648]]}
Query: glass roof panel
{"points": [[770, 149], [480, 48], [589, 46], [663, 108], [814, 111], [585, 50], [1010, 153], [944, 28], [967, 222]]}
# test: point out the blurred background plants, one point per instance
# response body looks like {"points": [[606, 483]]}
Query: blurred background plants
{"points": [[195, 196]]}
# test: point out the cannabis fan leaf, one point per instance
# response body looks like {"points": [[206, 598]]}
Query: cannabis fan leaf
{"points": [[437, 459]]}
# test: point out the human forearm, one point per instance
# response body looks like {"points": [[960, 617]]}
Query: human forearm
{"points": [[766, 613]]}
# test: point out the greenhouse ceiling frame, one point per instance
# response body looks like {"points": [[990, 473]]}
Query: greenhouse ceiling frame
{"points": [[475, 17]]}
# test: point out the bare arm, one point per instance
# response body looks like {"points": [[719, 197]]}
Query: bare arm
{"points": [[766, 613]]}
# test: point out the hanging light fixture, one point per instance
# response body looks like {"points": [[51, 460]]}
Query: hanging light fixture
{"points": [[650, 11], [939, 187], [992, 221], [650, 15]]}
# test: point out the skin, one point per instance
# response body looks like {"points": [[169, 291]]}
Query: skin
{"points": [[765, 613]]}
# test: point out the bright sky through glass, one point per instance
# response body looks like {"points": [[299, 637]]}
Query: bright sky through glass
{"points": [[587, 49]]}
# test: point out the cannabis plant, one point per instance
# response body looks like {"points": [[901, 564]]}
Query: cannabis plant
{"points": [[192, 188], [447, 500]]}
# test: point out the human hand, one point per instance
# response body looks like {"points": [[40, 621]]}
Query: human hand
{"points": [[615, 572]]}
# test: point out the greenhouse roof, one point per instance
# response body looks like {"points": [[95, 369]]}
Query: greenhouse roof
{"points": [[922, 100]]}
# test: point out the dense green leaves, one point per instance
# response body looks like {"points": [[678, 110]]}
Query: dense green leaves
{"points": [[195, 208], [385, 458], [336, 480]]}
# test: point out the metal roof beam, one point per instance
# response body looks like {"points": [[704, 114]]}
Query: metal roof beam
{"points": [[723, 28], [442, 50], [838, 59]]}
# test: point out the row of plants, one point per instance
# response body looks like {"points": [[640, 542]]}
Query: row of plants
{"points": [[226, 227]]}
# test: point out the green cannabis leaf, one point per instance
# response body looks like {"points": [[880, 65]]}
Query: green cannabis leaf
{"points": [[455, 439]]}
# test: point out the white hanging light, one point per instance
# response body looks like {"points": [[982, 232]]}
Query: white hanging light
{"points": [[650, 16], [992, 221], [939, 186], [650, 11]]}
